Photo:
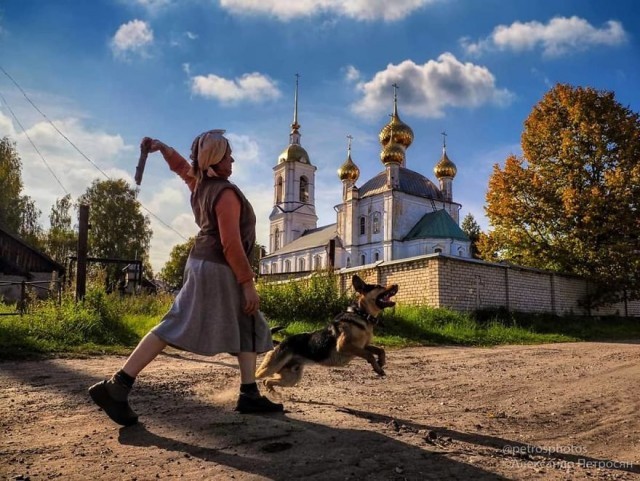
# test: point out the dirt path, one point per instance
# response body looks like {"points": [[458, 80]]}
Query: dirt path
{"points": [[566, 411]]}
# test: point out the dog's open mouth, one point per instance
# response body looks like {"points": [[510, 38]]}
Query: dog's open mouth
{"points": [[384, 299]]}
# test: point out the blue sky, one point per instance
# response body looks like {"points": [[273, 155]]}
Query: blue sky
{"points": [[106, 73]]}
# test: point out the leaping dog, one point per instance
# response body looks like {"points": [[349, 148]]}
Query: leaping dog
{"points": [[349, 335]]}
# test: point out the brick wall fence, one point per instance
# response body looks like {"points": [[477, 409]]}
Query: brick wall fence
{"points": [[460, 284]]}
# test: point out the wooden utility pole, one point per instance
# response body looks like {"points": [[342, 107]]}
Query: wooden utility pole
{"points": [[81, 268]]}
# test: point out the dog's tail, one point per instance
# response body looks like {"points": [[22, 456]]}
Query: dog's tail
{"points": [[273, 361]]}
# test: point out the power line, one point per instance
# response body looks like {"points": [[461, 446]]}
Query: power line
{"points": [[52, 124], [32, 144], [76, 148]]}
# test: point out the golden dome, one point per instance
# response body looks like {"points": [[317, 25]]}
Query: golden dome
{"points": [[392, 153], [294, 153], [402, 133], [445, 167], [349, 171]]}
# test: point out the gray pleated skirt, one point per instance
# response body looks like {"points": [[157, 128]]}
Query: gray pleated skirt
{"points": [[206, 318]]}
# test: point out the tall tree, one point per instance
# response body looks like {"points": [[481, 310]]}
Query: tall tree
{"points": [[173, 271], [61, 239], [571, 202], [470, 227], [30, 229], [18, 212], [118, 229], [10, 185]]}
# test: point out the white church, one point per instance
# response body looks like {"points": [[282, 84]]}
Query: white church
{"points": [[397, 214]]}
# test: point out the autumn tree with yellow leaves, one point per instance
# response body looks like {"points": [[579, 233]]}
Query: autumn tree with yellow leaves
{"points": [[570, 203]]}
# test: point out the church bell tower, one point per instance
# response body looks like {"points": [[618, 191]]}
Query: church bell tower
{"points": [[294, 208]]}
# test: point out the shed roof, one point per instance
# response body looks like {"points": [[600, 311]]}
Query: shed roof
{"points": [[18, 257]]}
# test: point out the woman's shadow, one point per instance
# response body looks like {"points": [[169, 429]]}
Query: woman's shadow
{"points": [[279, 447]]}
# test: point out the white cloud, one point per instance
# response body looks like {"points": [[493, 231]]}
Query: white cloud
{"points": [[560, 36], [153, 3], [251, 87], [6, 127], [73, 171], [364, 10], [132, 37], [426, 90], [152, 7], [352, 74]]}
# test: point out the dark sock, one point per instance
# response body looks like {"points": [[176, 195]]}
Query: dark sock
{"points": [[251, 388], [124, 378]]}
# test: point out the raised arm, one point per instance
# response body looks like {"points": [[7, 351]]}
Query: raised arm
{"points": [[177, 163]]}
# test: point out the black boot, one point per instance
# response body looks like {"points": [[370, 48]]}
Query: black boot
{"points": [[257, 404], [113, 397]]}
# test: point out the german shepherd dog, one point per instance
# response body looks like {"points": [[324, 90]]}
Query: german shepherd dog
{"points": [[349, 335]]}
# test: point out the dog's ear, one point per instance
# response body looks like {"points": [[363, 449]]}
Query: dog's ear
{"points": [[358, 284]]}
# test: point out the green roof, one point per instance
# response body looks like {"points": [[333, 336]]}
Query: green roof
{"points": [[438, 224]]}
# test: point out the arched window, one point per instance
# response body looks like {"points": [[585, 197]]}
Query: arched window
{"points": [[461, 251], [316, 261], [437, 250], [276, 239], [348, 261], [287, 266], [377, 256], [279, 190], [363, 225], [274, 268], [301, 264], [304, 189], [363, 260], [376, 223]]}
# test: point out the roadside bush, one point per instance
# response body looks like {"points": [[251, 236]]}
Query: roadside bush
{"points": [[97, 319], [315, 299]]}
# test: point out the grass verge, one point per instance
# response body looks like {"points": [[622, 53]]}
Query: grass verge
{"points": [[109, 324]]}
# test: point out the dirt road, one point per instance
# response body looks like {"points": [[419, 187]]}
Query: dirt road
{"points": [[562, 411]]}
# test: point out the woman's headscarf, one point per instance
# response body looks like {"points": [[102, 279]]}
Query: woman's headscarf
{"points": [[207, 150]]}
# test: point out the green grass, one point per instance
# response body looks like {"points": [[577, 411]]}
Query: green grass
{"points": [[109, 324], [424, 326], [101, 323]]}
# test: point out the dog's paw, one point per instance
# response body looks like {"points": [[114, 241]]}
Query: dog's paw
{"points": [[379, 371]]}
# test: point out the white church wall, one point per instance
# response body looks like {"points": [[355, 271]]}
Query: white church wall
{"points": [[372, 253], [316, 258], [367, 208], [408, 211]]}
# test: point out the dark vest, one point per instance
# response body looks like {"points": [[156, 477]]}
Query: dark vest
{"points": [[207, 245]]}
